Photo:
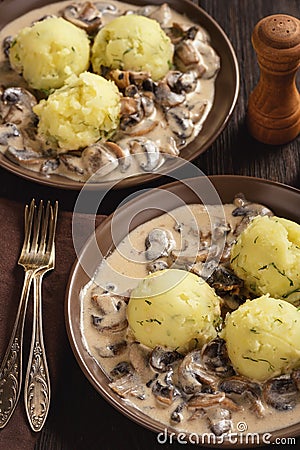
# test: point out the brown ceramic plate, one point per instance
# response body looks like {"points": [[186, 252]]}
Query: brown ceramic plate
{"points": [[227, 88], [283, 200]]}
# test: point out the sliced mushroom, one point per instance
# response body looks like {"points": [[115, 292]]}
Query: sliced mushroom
{"points": [[162, 14], [25, 157], [239, 385], [219, 420], [110, 316], [181, 82], [72, 164], [125, 78], [111, 350], [186, 53], [50, 166], [176, 415], [161, 359], [224, 281], [84, 15], [164, 393], [6, 44], [245, 389], [180, 122], [128, 384], [158, 243], [296, 377], [281, 392], [193, 376], [211, 60], [247, 209], [205, 400], [158, 264], [9, 132], [121, 369], [16, 105], [147, 154], [140, 128], [139, 357], [215, 358], [167, 98]]}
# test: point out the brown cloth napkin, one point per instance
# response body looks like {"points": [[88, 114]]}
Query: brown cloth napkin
{"points": [[17, 433]]}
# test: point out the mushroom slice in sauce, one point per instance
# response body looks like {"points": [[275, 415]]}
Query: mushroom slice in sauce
{"points": [[16, 105], [159, 264], [296, 377], [141, 128], [193, 376], [147, 154], [162, 14], [224, 281], [167, 98], [179, 121], [181, 82], [25, 157], [215, 358], [239, 385], [84, 15], [129, 384], [158, 243], [105, 157], [139, 357], [281, 392], [110, 315], [161, 358], [247, 211], [9, 131], [246, 389], [165, 391], [219, 420], [111, 350]]}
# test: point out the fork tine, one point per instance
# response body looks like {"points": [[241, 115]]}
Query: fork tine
{"points": [[52, 227], [45, 227], [37, 227], [28, 219]]}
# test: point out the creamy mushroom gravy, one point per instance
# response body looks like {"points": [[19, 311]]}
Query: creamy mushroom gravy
{"points": [[197, 392], [158, 119]]}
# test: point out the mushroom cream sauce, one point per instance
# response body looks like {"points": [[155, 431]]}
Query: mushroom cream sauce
{"points": [[152, 380], [167, 116]]}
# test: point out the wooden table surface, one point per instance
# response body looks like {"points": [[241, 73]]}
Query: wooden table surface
{"points": [[85, 421]]}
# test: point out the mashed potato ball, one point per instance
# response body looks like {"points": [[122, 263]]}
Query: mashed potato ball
{"points": [[49, 51], [263, 338], [173, 308], [133, 42], [267, 257], [84, 110]]}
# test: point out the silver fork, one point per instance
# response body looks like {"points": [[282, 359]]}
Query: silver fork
{"points": [[35, 255], [37, 389]]}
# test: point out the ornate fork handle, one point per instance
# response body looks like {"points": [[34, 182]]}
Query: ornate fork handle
{"points": [[37, 381], [11, 367]]}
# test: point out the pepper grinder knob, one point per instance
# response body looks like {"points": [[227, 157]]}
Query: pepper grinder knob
{"points": [[273, 115]]}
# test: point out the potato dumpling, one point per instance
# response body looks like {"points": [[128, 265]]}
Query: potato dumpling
{"points": [[267, 257], [84, 110], [263, 338], [49, 51], [133, 42], [173, 308]]}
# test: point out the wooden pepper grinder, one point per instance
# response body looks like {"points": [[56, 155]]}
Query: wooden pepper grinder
{"points": [[274, 105]]}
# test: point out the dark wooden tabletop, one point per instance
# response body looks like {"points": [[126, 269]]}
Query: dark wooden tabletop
{"points": [[85, 421]]}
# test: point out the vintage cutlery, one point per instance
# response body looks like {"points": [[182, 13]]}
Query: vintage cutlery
{"points": [[37, 382], [37, 254]]}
